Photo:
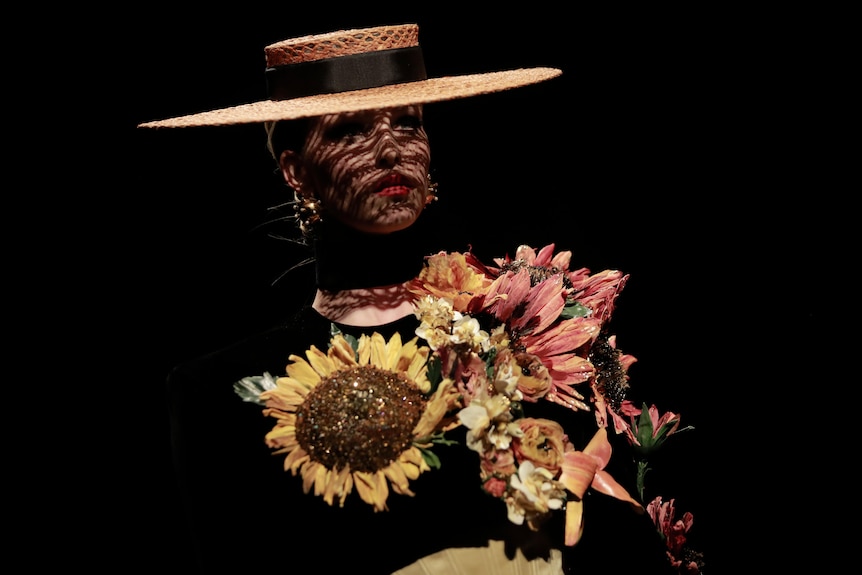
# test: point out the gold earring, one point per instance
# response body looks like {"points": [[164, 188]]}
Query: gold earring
{"points": [[432, 191], [307, 213]]}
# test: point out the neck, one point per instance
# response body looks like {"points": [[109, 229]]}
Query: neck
{"points": [[362, 278], [365, 306]]}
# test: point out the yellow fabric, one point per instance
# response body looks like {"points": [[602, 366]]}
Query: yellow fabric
{"points": [[489, 560]]}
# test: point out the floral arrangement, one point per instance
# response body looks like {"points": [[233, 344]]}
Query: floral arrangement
{"points": [[522, 330]]}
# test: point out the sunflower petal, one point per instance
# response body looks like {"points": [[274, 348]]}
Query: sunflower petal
{"points": [[301, 371], [372, 488], [342, 353], [281, 435], [438, 405], [377, 349], [335, 486], [413, 462], [289, 394], [348, 488], [309, 474], [321, 480], [320, 362], [296, 459], [392, 351], [363, 350], [397, 477]]}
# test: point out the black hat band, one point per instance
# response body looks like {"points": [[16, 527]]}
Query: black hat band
{"points": [[345, 73]]}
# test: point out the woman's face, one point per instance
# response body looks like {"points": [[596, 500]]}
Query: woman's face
{"points": [[369, 169]]}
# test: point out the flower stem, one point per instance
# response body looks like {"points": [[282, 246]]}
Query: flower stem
{"points": [[643, 467]]}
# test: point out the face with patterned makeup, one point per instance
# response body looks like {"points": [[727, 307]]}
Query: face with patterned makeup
{"points": [[368, 169]]}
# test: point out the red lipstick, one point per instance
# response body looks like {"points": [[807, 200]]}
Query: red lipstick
{"points": [[393, 185]]}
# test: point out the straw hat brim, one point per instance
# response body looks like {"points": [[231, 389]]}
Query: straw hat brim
{"points": [[419, 92]]}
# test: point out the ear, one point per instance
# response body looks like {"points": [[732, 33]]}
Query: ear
{"points": [[291, 169]]}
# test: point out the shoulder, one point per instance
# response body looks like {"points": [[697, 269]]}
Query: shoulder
{"points": [[260, 352]]}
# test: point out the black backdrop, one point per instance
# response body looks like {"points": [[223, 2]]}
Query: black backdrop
{"points": [[607, 161], [626, 160]]}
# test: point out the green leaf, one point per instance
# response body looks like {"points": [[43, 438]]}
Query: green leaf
{"points": [[574, 309], [438, 438], [645, 427], [434, 373], [335, 330], [489, 357], [430, 458]]}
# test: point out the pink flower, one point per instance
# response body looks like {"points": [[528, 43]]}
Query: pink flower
{"points": [[496, 486], [531, 315], [673, 531], [648, 432], [598, 291], [498, 463]]}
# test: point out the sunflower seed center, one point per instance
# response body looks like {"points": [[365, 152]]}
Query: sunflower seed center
{"points": [[363, 417]]}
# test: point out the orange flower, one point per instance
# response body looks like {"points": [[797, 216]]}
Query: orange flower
{"points": [[543, 442], [447, 275]]}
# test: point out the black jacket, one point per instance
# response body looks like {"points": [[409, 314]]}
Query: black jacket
{"points": [[246, 514]]}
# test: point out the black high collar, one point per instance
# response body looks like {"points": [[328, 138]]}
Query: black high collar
{"points": [[348, 259]]}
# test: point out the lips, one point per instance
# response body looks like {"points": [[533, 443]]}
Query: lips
{"points": [[393, 185]]}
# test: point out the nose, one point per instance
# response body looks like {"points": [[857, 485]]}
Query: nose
{"points": [[388, 150]]}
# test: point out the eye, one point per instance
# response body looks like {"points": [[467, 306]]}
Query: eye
{"points": [[345, 131], [407, 122]]}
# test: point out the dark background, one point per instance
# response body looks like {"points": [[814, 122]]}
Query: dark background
{"points": [[654, 153]]}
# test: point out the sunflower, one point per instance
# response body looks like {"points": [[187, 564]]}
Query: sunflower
{"points": [[364, 417]]}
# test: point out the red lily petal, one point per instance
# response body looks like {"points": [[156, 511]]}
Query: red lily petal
{"points": [[578, 471], [604, 483], [599, 447], [574, 522]]}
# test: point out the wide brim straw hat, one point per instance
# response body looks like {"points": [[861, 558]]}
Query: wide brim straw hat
{"points": [[351, 71]]}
